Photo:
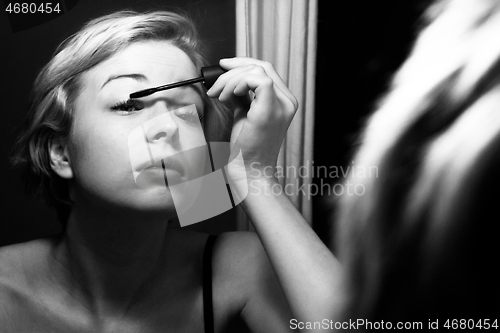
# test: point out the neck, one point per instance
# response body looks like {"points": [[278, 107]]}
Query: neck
{"points": [[108, 257]]}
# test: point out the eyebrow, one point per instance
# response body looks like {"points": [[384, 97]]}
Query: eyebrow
{"points": [[137, 77]]}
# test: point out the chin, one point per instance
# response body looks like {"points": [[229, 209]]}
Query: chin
{"points": [[153, 200], [156, 202]]}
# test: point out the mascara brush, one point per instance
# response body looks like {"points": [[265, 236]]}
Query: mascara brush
{"points": [[209, 75]]}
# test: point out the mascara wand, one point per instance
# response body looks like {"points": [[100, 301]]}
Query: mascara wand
{"points": [[209, 75]]}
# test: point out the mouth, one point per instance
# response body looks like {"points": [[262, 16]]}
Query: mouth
{"points": [[167, 164], [173, 169], [170, 171]]}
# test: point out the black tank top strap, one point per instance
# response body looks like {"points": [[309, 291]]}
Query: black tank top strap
{"points": [[208, 311]]}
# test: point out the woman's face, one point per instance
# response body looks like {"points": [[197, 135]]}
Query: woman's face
{"points": [[103, 151]]}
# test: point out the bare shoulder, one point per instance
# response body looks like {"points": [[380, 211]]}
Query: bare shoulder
{"points": [[245, 278], [20, 263], [17, 259], [235, 254], [239, 253], [235, 259]]}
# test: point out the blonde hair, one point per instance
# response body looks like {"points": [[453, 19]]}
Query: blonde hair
{"points": [[419, 243], [57, 86]]}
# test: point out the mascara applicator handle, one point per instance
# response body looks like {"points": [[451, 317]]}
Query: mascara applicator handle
{"points": [[211, 74]]}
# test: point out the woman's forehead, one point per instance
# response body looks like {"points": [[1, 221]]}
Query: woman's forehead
{"points": [[155, 62]]}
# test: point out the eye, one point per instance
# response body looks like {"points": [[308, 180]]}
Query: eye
{"points": [[188, 114], [128, 107]]}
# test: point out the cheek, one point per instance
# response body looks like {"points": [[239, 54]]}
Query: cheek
{"points": [[99, 155]]}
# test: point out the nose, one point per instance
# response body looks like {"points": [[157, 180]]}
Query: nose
{"points": [[161, 127]]}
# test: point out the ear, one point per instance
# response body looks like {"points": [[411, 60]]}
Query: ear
{"points": [[59, 158]]}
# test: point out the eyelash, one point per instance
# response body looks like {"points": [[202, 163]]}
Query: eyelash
{"points": [[135, 104], [127, 104]]}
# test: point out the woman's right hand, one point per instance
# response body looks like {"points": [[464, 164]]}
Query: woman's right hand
{"points": [[260, 124]]}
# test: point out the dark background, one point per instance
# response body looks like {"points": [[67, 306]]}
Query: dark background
{"points": [[360, 44]]}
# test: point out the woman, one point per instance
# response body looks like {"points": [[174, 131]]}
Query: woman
{"points": [[420, 244], [117, 267]]}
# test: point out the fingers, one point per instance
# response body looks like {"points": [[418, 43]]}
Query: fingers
{"points": [[239, 67], [261, 122], [226, 83], [247, 79], [266, 66]]}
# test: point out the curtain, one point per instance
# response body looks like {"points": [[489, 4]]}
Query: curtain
{"points": [[283, 32]]}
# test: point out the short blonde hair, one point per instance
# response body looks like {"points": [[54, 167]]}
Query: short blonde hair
{"points": [[57, 86]]}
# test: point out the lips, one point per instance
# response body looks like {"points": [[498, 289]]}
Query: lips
{"points": [[168, 171], [171, 169], [167, 163], [173, 164]]}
